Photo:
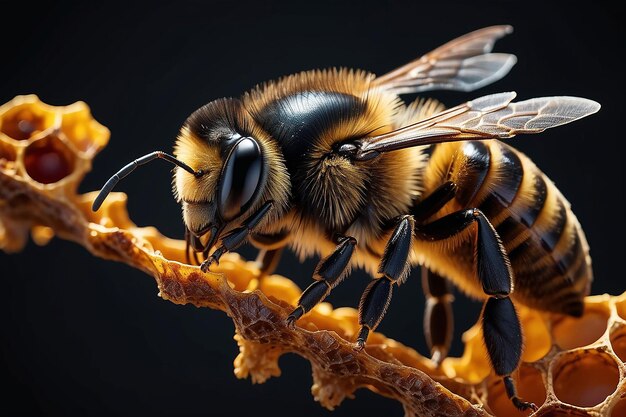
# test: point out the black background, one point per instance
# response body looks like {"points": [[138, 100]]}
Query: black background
{"points": [[83, 336]]}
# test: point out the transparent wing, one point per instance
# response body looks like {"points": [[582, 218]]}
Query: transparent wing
{"points": [[490, 117], [463, 64]]}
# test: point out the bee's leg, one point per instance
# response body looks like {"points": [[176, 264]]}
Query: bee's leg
{"points": [[188, 247], [236, 237], [501, 328], [394, 267], [268, 260], [270, 250], [438, 318], [192, 247], [329, 272], [434, 201], [503, 335]]}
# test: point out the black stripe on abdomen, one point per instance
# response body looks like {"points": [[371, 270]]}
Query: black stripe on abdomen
{"points": [[509, 175], [504, 180], [572, 253], [553, 235], [474, 159], [528, 214]]}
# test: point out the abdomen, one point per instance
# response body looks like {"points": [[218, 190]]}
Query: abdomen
{"points": [[544, 240]]}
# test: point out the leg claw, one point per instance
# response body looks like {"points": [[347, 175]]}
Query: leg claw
{"points": [[437, 356], [204, 266], [213, 259], [294, 316], [523, 405], [359, 345], [361, 338]]}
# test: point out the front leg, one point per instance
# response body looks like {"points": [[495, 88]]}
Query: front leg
{"points": [[237, 237], [192, 247], [501, 327], [329, 272]]}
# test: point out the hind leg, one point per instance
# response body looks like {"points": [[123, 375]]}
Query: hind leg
{"points": [[438, 318], [501, 327]]}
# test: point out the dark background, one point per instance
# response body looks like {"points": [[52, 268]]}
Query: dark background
{"points": [[84, 336]]}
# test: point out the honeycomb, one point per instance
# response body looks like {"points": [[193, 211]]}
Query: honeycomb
{"points": [[570, 367]]}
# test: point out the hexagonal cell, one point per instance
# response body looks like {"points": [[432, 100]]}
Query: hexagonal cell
{"points": [[7, 152], [25, 120], [618, 342], [82, 130], [571, 332], [530, 388], [586, 378], [48, 160], [619, 409]]}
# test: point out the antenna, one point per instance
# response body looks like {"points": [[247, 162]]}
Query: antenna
{"points": [[112, 182]]}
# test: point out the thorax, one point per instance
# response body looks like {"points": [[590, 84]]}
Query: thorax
{"points": [[309, 115]]}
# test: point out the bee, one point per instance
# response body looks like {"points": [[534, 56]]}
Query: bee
{"points": [[333, 163]]}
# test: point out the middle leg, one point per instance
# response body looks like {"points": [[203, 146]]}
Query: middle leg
{"points": [[394, 267]]}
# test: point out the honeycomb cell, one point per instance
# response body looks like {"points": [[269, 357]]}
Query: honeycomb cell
{"points": [[24, 121], [571, 332], [619, 409], [82, 130], [7, 152], [585, 379], [618, 341], [48, 160], [530, 388]]}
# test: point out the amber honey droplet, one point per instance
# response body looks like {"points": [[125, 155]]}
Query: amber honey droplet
{"points": [[48, 160]]}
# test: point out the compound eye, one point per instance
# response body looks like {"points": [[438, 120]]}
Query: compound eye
{"points": [[240, 179]]}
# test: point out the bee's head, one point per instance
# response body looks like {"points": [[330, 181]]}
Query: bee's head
{"points": [[227, 168], [239, 170]]}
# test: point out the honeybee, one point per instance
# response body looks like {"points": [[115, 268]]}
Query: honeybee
{"points": [[333, 163]]}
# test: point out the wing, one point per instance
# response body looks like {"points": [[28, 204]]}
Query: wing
{"points": [[488, 117], [463, 64]]}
